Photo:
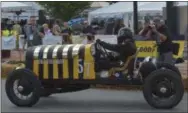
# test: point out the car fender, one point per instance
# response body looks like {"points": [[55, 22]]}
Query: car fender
{"points": [[150, 64]]}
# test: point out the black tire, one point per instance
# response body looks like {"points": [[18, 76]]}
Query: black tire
{"points": [[170, 102], [24, 76]]}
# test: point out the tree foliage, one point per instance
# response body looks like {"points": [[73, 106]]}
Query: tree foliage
{"points": [[64, 10], [112, 2]]}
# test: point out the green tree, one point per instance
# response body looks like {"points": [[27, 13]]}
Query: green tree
{"points": [[64, 10], [112, 2]]}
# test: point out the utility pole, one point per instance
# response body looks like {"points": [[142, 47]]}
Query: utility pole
{"points": [[172, 17], [135, 7]]}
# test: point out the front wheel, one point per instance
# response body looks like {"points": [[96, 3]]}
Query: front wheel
{"points": [[23, 88], [163, 89]]}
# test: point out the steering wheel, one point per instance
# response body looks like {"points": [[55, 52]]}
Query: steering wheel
{"points": [[101, 50]]}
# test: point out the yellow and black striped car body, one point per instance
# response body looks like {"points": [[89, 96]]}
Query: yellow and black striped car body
{"points": [[61, 62], [53, 69]]}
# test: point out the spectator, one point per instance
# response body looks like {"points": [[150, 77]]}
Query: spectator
{"points": [[87, 28], [9, 24], [144, 32], [56, 28], [2, 25], [17, 28], [50, 24], [90, 38], [89, 32], [109, 26], [31, 32], [44, 31], [66, 33], [140, 26], [66, 28], [118, 26], [6, 32], [161, 33]]}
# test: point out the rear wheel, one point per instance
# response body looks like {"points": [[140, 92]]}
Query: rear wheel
{"points": [[163, 88], [23, 88]]}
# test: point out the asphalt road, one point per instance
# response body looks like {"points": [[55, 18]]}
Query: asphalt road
{"points": [[91, 100]]}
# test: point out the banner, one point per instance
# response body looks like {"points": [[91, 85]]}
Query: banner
{"points": [[8, 43], [52, 40], [147, 49]]}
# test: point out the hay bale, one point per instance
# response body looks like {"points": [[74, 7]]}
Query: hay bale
{"points": [[185, 83], [6, 69]]}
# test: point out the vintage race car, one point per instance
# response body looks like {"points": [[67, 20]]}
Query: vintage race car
{"points": [[66, 68]]}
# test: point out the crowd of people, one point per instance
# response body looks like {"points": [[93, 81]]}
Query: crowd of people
{"points": [[107, 26], [33, 33]]}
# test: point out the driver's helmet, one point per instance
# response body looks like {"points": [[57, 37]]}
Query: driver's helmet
{"points": [[123, 34]]}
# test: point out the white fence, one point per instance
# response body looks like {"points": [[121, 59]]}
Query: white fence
{"points": [[8, 43]]}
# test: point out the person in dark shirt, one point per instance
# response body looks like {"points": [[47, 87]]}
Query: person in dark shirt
{"points": [[165, 47], [66, 28], [161, 34], [66, 33], [87, 28], [89, 32], [144, 32]]}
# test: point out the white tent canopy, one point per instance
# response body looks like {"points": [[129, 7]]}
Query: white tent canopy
{"points": [[14, 6], [158, 5], [152, 6], [99, 4], [124, 7], [125, 10], [35, 5], [120, 7]]}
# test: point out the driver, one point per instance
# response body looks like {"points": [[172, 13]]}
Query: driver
{"points": [[125, 47]]}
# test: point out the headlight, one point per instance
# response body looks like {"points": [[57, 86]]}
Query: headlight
{"points": [[93, 51]]}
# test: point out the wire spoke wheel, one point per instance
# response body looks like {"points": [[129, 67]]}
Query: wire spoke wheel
{"points": [[163, 88], [22, 91], [23, 88]]}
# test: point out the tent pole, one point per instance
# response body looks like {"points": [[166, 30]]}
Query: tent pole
{"points": [[135, 11], [171, 11]]}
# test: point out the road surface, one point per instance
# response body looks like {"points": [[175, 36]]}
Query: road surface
{"points": [[91, 100]]}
